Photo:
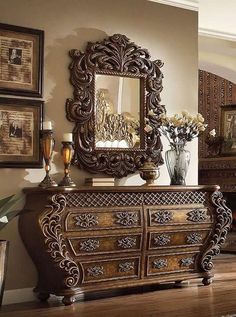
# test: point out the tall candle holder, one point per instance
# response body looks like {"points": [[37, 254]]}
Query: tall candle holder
{"points": [[67, 153], [47, 145]]}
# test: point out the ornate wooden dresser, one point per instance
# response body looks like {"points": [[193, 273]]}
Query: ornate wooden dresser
{"points": [[91, 239]]}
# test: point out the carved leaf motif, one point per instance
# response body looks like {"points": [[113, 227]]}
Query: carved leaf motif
{"points": [[127, 218], [127, 243], [50, 222], [186, 261], [222, 226], [86, 220], [162, 216], [160, 263], [161, 239], [95, 271], [126, 266], [116, 55], [89, 245], [194, 238], [197, 215]]}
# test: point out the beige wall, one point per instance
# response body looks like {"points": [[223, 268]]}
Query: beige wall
{"points": [[169, 33]]}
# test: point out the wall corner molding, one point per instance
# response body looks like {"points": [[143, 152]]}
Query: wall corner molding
{"points": [[217, 34], [184, 4]]}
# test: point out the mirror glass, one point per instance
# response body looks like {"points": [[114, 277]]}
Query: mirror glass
{"points": [[117, 111]]}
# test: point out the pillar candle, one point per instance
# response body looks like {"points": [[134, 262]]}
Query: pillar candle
{"points": [[47, 125], [67, 137]]}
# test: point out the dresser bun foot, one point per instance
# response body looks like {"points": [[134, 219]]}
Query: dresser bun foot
{"points": [[43, 297], [68, 300], [206, 281]]}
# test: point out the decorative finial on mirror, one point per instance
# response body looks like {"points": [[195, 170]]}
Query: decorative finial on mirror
{"points": [[149, 172]]}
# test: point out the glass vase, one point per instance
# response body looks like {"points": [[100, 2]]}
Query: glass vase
{"points": [[177, 161]]}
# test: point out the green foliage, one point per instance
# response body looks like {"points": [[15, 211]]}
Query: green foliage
{"points": [[6, 209]]}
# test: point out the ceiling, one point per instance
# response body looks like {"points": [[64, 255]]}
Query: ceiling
{"points": [[216, 17]]}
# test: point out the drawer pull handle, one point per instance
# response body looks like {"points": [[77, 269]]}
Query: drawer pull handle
{"points": [[127, 243], [162, 216], [161, 239], [160, 264], [186, 261], [197, 215], [89, 245], [95, 271], [126, 266], [194, 238], [86, 220], [127, 218]]}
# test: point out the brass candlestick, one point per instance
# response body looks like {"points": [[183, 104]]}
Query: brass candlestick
{"points": [[67, 153], [47, 145]]}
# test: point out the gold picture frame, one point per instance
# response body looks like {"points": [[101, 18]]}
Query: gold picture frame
{"points": [[228, 129], [20, 125], [21, 60]]}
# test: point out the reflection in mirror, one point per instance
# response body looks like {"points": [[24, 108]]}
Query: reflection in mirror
{"points": [[117, 111]]}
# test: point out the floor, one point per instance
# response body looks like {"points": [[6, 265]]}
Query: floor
{"points": [[191, 299]]}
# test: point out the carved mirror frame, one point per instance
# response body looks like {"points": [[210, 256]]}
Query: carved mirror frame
{"points": [[117, 56]]}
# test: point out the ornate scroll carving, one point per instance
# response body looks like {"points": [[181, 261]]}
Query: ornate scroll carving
{"points": [[160, 264], [126, 266], [86, 220], [95, 271], [194, 238], [197, 215], [127, 218], [162, 216], [50, 222], [127, 243], [186, 261], [117, 56], [222, 226], [89, 245], [161, 239]]}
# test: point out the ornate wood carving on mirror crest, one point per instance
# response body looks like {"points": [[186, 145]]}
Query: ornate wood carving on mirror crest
{"points": [[116, 56]]}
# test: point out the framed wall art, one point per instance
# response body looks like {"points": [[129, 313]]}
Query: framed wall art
{"points": [[20, 124], [228, 129], [21, 60]]}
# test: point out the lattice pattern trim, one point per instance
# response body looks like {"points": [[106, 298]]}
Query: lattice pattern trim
{"points": [[174, 198], [103, 199]]}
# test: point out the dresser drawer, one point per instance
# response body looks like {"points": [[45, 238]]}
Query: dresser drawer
{"points": [[159, 216], [103, 270], [168, 239], [170, 263], [105, 244], [100, 219]]}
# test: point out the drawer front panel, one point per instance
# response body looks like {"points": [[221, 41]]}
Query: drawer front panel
{"points": [[171, 216], [115, 269], [105, 244], [170, 239], [170, 263], [102, 219]]}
